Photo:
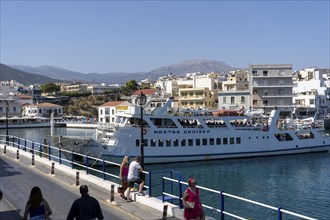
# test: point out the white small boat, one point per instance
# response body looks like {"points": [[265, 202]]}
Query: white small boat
{"points": [[191, 135]]}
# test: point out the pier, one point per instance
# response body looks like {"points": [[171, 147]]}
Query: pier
{"points": [[60, 189], [25, 164]]}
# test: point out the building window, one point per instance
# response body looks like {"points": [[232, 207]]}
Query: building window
{"points": [[224, 99], [242, 99], [265, 73], [232, 100], [312, 101]]}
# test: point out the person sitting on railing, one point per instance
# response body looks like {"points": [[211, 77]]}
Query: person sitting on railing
{"points": [[133, 177]]}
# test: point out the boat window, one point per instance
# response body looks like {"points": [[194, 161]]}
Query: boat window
{"points": [[225, 141], [218, 140], [153, 143], [215, 123], [168, 142], [283, 137], [137, 143], [144, 141], [238, 140], [136, 122], [232, 140], [305, 135], [198, 142], [160, 143], [204, 141], [211, 141], [190, 142], [163, 122], [183, 143], [189, 123], [176, 142]]}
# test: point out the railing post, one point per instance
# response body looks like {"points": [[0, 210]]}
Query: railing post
{"points": [[180, 194], [72, 159], [279, 213], [60, 155], [149, 184], [40, 150], [19, 142], [163, 189], [86, 164], [49, 153], [25, 144], [222, 206], [103, 170]]}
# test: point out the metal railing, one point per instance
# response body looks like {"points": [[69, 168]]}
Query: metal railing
{"points": [[171, 189], [220, 196], [68, 158]]}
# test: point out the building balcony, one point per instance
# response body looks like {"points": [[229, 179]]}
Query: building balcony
{"points": [[276, 95], [258, 85]]}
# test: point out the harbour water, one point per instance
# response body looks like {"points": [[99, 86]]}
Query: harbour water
{"points": [[299, 183]]}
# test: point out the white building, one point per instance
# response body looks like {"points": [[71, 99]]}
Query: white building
{"points": [[107, 112], [271, 86], [43, 110]]}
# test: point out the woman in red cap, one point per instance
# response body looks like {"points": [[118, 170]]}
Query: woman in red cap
{"points": [[192, 203]]}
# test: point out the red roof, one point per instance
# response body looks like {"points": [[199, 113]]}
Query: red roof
{"points": [[113, 103], [146, 91]]}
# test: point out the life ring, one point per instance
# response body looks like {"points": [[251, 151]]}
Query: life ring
{"points": [[144, 131]]}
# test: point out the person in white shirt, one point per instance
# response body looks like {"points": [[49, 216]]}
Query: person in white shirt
{"points": [[133, 177]]}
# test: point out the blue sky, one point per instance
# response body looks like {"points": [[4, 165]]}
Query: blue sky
{"points": [[132, 36]]}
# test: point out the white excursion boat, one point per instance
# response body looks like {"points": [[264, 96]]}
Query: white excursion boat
{"points": [[191, 135]]}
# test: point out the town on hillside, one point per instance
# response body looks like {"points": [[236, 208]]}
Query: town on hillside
{"points": [[258, 88]]}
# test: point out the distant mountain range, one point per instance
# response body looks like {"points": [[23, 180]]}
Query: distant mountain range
{"points": [[43, 74]]}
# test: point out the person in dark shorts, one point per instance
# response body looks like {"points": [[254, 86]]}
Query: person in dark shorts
{"points": [[133, 177], [86, 207]]}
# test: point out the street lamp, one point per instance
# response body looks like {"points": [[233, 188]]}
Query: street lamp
{"points": [[142, 99], [7, 108]]}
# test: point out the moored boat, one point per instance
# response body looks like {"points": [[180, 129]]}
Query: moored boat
{"points": [[190, 135]]}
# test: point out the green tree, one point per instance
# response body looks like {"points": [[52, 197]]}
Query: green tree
{"points": [[50, 88], [129, 87]]}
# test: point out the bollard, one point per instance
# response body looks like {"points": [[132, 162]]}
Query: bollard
{"points": [[52, 170], [164, 212], [17, 155], [32, 159], [112, 193], [77, 178], [5, 149]]}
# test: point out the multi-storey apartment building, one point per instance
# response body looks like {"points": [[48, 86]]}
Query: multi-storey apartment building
{"points": [[271, 86]]}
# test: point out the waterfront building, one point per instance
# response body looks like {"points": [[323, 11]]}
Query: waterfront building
{"points": [[107, 112], [43, 110], [271, 86], [313, 90]]}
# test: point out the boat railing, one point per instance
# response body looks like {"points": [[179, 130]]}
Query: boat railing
{"points": [[216, 202]]}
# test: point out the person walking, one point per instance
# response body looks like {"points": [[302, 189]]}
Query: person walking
{"points": [[133, 177], [192, 203], [86, 207], [36, 207]]}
